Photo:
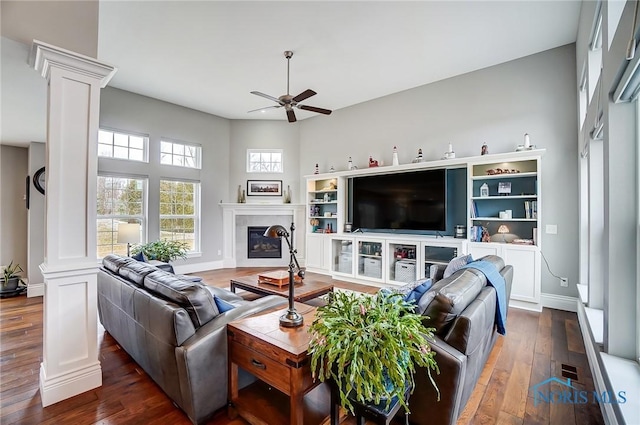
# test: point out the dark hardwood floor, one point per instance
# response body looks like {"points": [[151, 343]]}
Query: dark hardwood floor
{"points": [[535, 348]]}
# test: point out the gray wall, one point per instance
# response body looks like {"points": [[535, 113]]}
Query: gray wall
{"points": [[126, 111], [251, 134], [496, 105], [36, 217], [13, 215]]}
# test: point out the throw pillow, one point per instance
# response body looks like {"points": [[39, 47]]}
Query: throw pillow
{"points": [[223, 305], [417, 292], [456, 264], [139, 257]]}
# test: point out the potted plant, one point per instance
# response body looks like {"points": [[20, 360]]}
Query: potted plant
{"points": [[370, 345], [10, 278], [163, 250]]}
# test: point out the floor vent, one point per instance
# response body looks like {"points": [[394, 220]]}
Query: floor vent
{"points": [[569, 371]]}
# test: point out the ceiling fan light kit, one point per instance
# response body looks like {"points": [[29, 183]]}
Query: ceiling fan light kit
{"points": [[289, 102]]}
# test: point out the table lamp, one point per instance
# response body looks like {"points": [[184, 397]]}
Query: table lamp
{"points": [[291, 319], [129, 233], [503, 230]]}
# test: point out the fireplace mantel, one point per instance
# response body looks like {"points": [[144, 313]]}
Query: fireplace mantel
{"points": [[232, 210]]}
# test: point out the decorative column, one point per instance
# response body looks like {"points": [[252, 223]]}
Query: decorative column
{"points": [[70, 363]]}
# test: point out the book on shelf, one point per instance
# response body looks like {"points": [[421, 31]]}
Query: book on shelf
{"points": [[474, 209], [531, 209]]}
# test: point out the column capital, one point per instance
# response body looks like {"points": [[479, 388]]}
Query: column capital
{"points": [[45, 56]]}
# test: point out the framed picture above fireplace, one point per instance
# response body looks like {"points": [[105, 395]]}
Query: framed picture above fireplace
{"points": [[264, 187]]}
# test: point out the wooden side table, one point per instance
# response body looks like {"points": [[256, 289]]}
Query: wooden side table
{"points": [[278, 357]]}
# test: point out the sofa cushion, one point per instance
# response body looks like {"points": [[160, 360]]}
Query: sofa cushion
{"points": [[136, 271], [191, 296], [456, 264], [113, 262], [448, 297]]}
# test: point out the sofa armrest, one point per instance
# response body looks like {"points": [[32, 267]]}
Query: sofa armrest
{"points": [[436, 271], [202, 360], [423, 403]]}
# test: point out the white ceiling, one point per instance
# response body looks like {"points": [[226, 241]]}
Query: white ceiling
{"points": [[208, 55]]}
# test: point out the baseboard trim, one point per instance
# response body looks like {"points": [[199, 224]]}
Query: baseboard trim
{"points": [[35, 290], [67, 385], [559, 302], [198, 267]]}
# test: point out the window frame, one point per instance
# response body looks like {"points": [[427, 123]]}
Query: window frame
{"points": [[129, 134], [174, 143], [197, 216], [261, 151], [129, 218]]}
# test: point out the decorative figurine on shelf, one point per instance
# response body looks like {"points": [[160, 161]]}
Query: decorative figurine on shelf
{"points": [[316, 170], [484, 190], [527, 141], [395, 160], [485, 235], [450, 154], [332, 170], [372, 162], [239, 197], [243, 200], [485, 149], [419, 157], [350, 165]]}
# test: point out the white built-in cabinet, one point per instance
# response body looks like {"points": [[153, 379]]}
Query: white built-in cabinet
{"points": [[513, 181]]}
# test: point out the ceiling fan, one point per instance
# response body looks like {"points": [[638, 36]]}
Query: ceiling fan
{"points": [[289, 102]]}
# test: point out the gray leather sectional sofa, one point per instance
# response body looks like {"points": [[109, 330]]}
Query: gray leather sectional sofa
{"points": [[462, 309], [173, 329]]}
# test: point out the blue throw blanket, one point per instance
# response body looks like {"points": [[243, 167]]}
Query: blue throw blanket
{"points": [[495, 279]]}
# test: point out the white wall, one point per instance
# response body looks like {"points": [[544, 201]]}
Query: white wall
{"points": [[128, 111], [251, 134], [13, 218], [496, 105]]}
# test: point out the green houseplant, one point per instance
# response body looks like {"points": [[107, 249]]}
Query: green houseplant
{"points": [[370, 346], [163, 250], [11, 277]]}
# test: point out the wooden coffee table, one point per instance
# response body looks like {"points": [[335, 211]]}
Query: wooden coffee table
{"points": [[302, 292], [278, 357]]}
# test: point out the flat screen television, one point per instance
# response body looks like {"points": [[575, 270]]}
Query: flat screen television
{"points": [[400, 201]]}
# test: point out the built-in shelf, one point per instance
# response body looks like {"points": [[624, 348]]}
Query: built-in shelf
{"points": [[324, 191], [504, 176], [322, 202], [624, 375], [321, 216], [583, 291], [502, 219], [505, 197]]}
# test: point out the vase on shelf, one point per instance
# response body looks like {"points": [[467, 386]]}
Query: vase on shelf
{"points": [[239, 196], [243, 197], [287, 195]]}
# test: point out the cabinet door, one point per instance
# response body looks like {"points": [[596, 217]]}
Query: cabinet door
{"points": [[526, 269], [315, 255], [479, 250]]}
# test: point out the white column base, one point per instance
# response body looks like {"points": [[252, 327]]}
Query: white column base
{"points": [[61, 387], [70, 363]]}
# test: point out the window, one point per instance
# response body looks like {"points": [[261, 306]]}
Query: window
{"points": [[120, 200], [180, 212], [264, 161], [180, 154], [112, 144]]}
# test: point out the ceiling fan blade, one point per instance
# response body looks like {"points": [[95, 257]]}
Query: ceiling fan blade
{"points": [[304, 95], [315, 109], [291, 116], [266, 96], [266, 107]]}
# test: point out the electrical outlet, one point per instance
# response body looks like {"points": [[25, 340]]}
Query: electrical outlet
{"points": [[564, 282], [219, 252]]}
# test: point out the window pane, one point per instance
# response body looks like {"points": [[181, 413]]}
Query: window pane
{"points": [[190, 162], [254, 157], [178, 160], [136, 154], [166, 147], [105, 137], [120, 139], [120, 152], [136, 142], [165, 159], [178, 149], [105, 150]]}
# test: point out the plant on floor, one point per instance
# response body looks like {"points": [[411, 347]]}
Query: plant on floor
{"points": [[370, 346], [162, 250], [11, 277]]}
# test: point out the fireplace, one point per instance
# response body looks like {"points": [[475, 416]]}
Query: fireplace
{"points": [[259, 246]]}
